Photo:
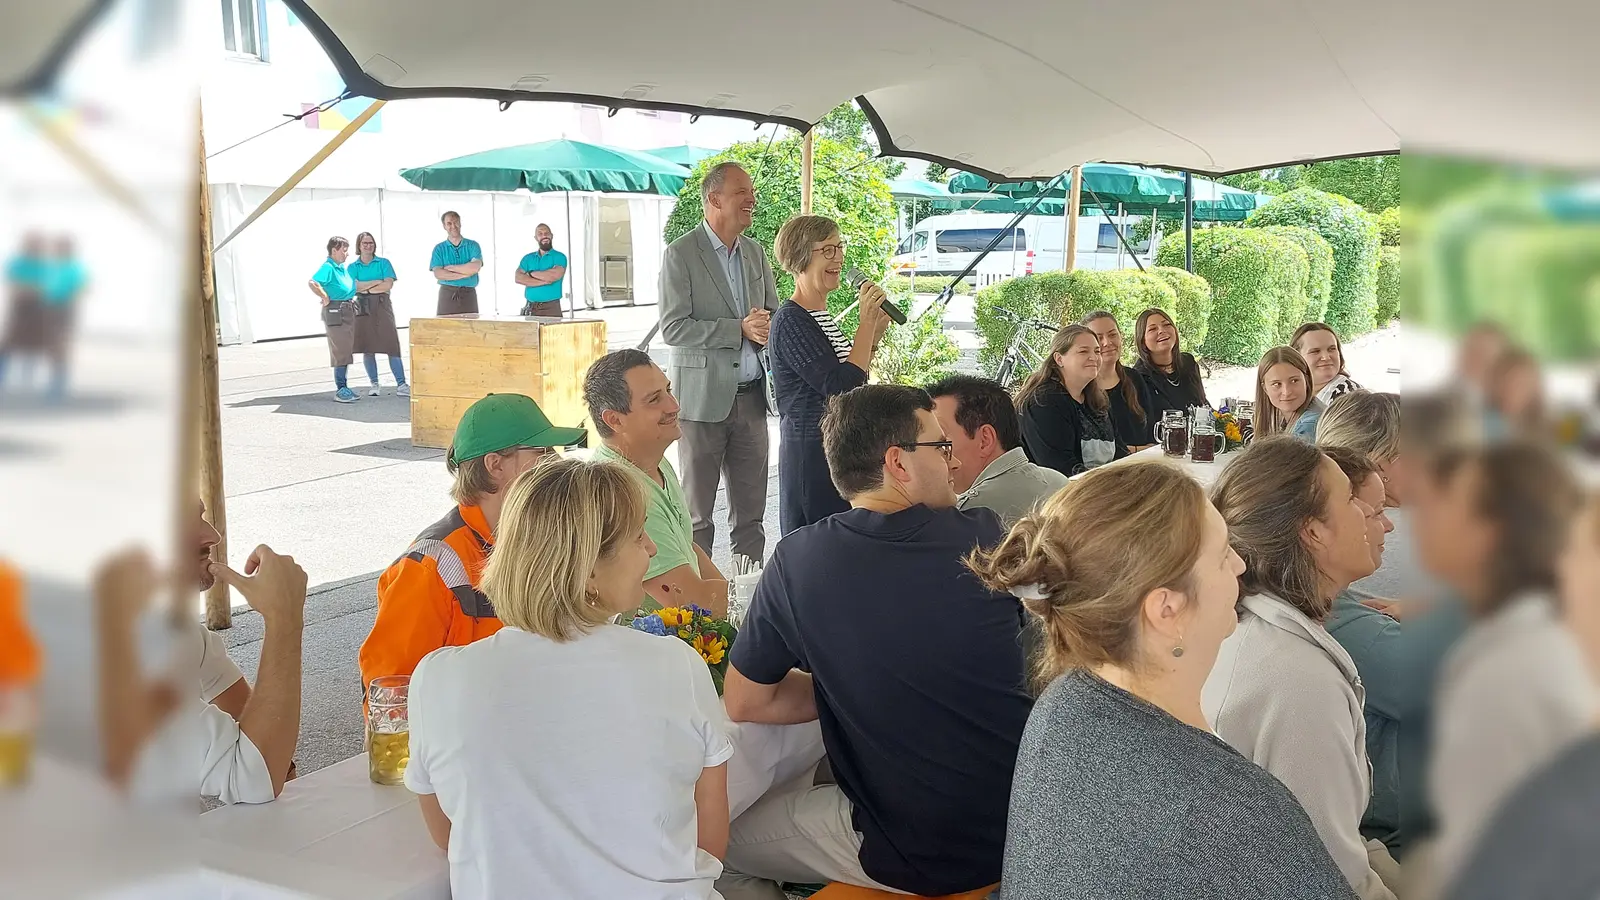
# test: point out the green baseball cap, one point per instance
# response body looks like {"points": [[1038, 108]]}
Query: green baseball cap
{"points": [[502, 421]]}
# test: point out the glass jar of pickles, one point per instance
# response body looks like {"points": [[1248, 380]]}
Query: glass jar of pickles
{"points": [[388, 729]]}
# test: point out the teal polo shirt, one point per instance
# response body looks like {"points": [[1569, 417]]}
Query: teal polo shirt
{"points": [[448, 254], [335, 280], [538, 262], [28, 272], [63, 280], [377, 270]]}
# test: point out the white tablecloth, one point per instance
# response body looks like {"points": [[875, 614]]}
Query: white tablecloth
{"points": [[332, 834], [1204, 472]]}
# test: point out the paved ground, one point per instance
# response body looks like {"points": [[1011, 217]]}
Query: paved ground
{"points": [[340, 487]]}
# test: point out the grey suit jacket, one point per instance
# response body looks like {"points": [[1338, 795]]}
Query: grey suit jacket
{"points": [[700, 321]]}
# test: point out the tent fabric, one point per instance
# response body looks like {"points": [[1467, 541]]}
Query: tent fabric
{"points": [[1029, 88], [35, 45], [553, 166]]}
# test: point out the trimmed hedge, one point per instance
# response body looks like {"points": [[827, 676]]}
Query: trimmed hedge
{"points": [[1388, 285], [927, 284], [1194, 302], [1064, 298], [1389, 227], [1353, 234], [1319, 270], [1250, 273]]}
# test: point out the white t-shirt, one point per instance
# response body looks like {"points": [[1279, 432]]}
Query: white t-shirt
{"points": [[568, 769], [218, 672]]}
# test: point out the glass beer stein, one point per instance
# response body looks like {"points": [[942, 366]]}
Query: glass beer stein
{"points": [[388, 729]]}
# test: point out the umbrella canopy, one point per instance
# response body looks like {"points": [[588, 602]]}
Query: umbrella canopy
{"points": [[1139, 190], [917, 189], [553, 166], [1028, 88], [683, 154]]}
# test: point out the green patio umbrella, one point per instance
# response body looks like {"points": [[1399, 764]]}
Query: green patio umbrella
{"points": [[917, 189], [553, 166], [1139, 190], [684, 155]]}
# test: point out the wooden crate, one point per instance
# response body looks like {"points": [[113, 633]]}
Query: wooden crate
{"points": [[458, 360]]}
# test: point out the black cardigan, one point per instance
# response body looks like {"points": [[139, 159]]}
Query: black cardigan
{"points": [[1135, 431], [1165, 395], [1054, 425], [805, 370]]}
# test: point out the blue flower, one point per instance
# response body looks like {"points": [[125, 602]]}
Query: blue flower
{"points": [[650, 624], [699, 611]]}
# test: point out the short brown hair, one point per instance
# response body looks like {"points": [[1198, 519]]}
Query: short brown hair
{"points": [[335, 243], [1267, 496], [1531, 495], [1364, 421], [1095, 550], [859, 428], [792, 246], [561, 520], [1310, 327], [1356, 465]]}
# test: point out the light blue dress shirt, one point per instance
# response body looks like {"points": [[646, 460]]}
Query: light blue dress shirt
{"points": [[733, 267]]}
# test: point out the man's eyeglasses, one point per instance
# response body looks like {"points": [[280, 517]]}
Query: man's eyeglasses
{"points": [[946, 447], [831, 251]]}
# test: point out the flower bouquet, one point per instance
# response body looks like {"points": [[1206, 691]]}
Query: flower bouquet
{"points": [[1227, 425], [710, 637]]}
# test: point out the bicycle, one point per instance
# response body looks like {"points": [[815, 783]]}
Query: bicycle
{"points": [[1021, 356]]}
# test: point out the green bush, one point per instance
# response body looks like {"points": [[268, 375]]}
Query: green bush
{"points": [[918, 352], [928, 284], [1537, 279], [1353, 234], [853, 193], [1063, 299], [1319, 269], [1389, 227], [1194, 303], [1252, 276], [1388, 285]]}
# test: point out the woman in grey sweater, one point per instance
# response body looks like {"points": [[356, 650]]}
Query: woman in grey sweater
{"points": [[1121, 790]]}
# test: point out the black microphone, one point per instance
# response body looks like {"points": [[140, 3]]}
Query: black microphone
{"points": [[855, 279]]}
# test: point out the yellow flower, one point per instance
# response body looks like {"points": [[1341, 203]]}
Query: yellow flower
{"points": [[1233, 433], [683, 633], [711, 648], [673, 616]]}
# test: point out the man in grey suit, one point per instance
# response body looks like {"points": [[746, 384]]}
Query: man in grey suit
{"points": [[717, 298]]}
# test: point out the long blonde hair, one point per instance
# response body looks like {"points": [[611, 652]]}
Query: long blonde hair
{"points": [[1093, 395], [1093, 553], [1364, 421], [561, 521], [1269, 420]]}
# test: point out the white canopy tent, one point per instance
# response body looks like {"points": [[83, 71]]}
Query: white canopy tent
{"points": [[1029, 88]]}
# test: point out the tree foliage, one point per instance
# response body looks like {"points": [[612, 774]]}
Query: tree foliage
{"points": [[1252, 277]]}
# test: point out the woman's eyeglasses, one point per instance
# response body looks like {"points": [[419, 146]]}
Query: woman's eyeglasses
{"points": [[831, 251], [946, 447]]}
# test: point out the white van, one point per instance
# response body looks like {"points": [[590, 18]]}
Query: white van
{"points": [[945, 245]]}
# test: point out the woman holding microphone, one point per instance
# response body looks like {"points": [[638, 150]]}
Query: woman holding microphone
{"points": [[811, 361]]}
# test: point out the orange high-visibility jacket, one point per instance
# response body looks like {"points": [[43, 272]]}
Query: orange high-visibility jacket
{"points": [[429, 597], [19, 655]]}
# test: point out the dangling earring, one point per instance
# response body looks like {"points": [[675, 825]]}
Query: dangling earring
{"points": [[592, 597], [1178, 650]]}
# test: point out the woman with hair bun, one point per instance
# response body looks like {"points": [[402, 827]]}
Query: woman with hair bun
{"points": [[1121, 789]]}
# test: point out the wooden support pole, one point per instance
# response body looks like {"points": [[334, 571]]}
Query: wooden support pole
{"points": [[806, 152], [203, 411], [1074, 198], [301, 173]]}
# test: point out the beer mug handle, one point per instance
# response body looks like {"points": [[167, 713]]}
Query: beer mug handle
{"points": [[1161, 432]]}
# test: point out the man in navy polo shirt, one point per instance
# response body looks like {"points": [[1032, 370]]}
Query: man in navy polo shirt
{"points": [[455, 264], [869, 622]]}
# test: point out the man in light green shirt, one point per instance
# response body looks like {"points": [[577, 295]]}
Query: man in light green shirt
{"points": [[632, 409]]}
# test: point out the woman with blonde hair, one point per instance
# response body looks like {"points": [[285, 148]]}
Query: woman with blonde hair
{"points": [[1066, 422], [1284, 692], [1129, 573], [1324, 355], [607, 744], [812, 361], [1285, 401]]}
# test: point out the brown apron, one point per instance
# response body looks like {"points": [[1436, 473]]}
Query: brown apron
{"points": [[341, 337], [454, 301], [27, 323], [545, 309], [375, 326]]}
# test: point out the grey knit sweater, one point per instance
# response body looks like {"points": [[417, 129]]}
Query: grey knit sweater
{"points": [[1114, 799]]}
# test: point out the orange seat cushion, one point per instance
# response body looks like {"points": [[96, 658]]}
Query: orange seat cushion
{"points": [[837, 891]]}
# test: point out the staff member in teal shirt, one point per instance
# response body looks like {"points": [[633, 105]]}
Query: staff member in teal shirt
{"points": [[28, 277], [541, 273], [375, 327], [334, 286], [456, 263]]}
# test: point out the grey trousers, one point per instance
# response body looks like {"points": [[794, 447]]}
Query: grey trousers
{"points": [[735, 448]]}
